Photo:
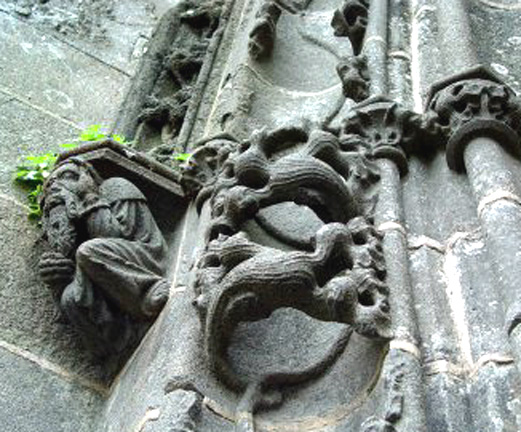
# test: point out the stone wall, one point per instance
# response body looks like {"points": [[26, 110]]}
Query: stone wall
{"points": [[441, 203]]}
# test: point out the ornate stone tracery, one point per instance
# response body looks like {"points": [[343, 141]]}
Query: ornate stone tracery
{"points": [[318, 284], [339, 277]]}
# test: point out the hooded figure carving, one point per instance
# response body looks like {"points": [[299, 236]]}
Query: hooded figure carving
{"points": [[108, 255]]}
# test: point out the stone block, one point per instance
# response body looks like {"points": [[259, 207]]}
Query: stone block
{"points": [[57, 77], [26, 131], [33, 399]]}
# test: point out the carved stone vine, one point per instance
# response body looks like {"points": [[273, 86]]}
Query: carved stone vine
{"points": [[164, 107], [340, 277], [471, 104], [351, 20]]}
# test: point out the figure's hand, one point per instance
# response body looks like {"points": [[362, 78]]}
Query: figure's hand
{"points": [[56, 270]]}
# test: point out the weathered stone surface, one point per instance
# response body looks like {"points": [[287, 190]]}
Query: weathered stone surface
{"points": [[26, 131], [282, 220], [56, 77], [27, 308], [32, 398], [503, 51], [111, 31]]}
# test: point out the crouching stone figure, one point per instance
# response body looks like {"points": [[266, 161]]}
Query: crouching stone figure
{"points": [[107, 262]]}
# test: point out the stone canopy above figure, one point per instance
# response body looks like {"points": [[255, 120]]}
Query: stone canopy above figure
{"points": [[108, 257]]}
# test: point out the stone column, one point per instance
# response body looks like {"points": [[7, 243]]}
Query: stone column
{"points": [[388, 129], [480, 117]]}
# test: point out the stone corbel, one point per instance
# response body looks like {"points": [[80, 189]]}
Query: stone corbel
{"points": [[103, 206]]}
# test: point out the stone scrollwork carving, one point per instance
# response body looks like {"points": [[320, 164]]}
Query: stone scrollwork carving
{"points": [[341, 280], [351, 20], [340, 277], [107, 257], [473, 103], [319, 174]]}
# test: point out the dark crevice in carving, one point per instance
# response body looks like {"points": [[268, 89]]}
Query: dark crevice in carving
{"points": [[107, 258], [351, 20]]}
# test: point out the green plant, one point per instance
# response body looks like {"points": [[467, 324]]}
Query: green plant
{"points": [[95, 133], [35, 169], [183, 157]]}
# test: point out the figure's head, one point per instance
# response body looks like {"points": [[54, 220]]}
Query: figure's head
{"points": [[73, 176]]}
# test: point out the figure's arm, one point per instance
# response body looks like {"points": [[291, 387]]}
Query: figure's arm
{"points": [[114, 210], [99, 219]]}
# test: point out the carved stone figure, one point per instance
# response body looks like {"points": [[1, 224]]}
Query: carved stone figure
{"points": [[351, 20], [262, 36], [107, 254], [320, 175], [355, 77], [338, 277], [341, 281]]}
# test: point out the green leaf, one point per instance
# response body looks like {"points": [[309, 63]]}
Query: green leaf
{"points": [[92, 133], [34, 169], [182, 156], [118, 138]]}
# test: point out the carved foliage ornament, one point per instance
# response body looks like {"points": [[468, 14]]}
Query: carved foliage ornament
{"points": [[386, 130], [475, 104], [340, 277]]}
